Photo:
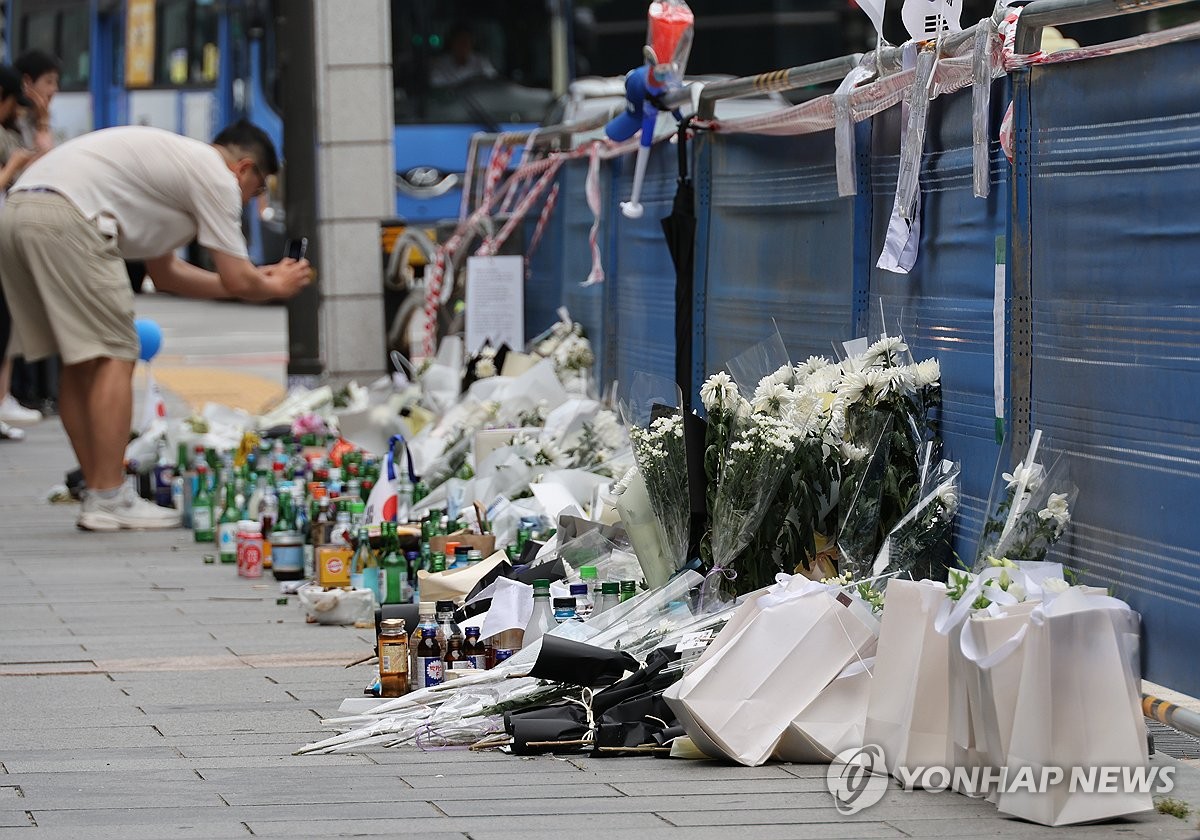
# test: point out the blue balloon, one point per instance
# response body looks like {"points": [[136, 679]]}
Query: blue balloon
{"points": [[149, 338]]}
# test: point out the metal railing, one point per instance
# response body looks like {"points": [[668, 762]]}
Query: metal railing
{"points": [[1042, 13], [830, 70]]}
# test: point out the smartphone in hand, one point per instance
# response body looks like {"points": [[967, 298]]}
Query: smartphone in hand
{"points": [[296, 248]]}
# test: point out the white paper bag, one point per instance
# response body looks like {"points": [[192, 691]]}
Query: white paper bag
{"points": [[908, 710], [985, 673], [770, 663], [833, 722], [1078, 706]]}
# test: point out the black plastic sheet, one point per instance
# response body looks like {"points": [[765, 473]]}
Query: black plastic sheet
{"points": [[577, 663]]}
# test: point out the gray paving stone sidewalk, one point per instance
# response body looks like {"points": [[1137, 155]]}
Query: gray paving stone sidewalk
{"points": [[148, 695]]}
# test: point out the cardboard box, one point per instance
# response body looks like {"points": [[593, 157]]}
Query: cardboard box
{"points": [[333, 565]]}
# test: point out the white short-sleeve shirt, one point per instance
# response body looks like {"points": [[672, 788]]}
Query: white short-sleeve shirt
{"points": [[163, 190]]}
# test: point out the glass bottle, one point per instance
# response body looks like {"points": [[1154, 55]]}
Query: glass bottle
{"points": [[227, 526], [364, 571], [425, 611], [358, 513], [420, 491], [254, 503], [564, 610], [610, 594], [474, 556], [447, 628], [505, 644], [474, 650], [461, 555], [322, 524], [181, 486], [542, 619], [413, 559], [202, 507], [429, 659], [455, 656], [268, 515], [341, 533], [393, 658], [164, 474], [394, 569], [404, 499], [628, 589]]}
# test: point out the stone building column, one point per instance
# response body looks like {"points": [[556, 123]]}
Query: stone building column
{"points": [[355, 180]]}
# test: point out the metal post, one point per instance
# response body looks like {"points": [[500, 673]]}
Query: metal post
{"points": [[297, 71], [1177, 717]]}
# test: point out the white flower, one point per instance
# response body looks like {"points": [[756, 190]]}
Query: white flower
{"points": [[608, 430], [1017, 591], [622, 484], [1055, 586], [823, 380], [927, 374], [741, 446], [718, 391], [744, 409], [671, 425], [811, 365], [771, 397], [485, 368], [804, 413], [886, 349], [784, 375], [1056, 509], [851, 453], [1032, 479], [853, 386], [948, 496], [895, 380]]}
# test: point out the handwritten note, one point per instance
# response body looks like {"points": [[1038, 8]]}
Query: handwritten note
{"points": [[495, 302]]}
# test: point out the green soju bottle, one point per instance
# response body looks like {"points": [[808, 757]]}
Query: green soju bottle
{"points": [[395, 570], [202, 506], [227, 526]]}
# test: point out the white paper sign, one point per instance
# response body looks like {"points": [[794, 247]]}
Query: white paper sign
{"points": [[495, 301]]}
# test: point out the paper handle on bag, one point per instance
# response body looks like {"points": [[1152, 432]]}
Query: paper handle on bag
{"points": [[973, 651]]}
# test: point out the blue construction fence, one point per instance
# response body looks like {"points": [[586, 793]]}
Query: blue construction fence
{"points": [[1096, 223]]}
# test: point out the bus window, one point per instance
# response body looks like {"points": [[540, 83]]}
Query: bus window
{"points": [[466, 62], [60, 28], [185, 43], [75, 49]]}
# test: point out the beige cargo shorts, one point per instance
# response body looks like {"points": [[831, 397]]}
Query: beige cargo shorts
{"points": [[64, 281]]}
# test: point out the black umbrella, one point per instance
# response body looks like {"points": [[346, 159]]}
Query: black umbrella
{"points": [[627, 714], [680, 230]]}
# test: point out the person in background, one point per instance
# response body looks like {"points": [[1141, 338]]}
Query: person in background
{"points": [[35, 385], [72, 219], [14, 157], [459, 62], [42, 72]]}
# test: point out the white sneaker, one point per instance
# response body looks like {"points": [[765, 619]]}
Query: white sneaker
{"points": [[13, 412], [8, 432], [128, 510]]}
